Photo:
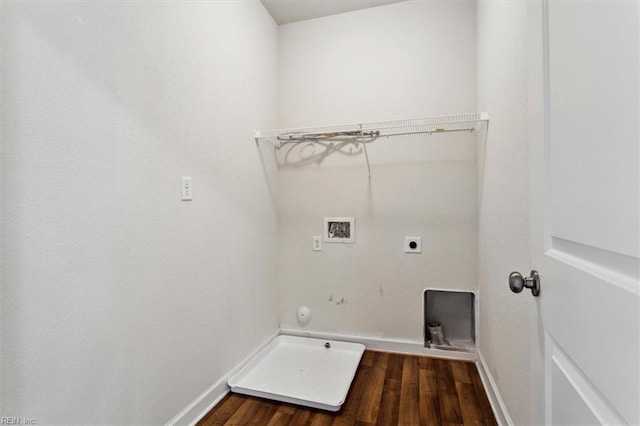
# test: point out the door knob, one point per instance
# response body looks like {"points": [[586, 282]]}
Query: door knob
{"points": [[517, 282]]}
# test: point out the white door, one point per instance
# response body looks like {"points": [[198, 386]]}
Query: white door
{"points": [[584, 147]]}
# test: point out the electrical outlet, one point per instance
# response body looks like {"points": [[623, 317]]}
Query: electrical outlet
{"points": [[413, 244], [317, 243]]}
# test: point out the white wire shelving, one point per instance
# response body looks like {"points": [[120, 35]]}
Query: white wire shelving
{"points": [[430, 125], [337, 137]]}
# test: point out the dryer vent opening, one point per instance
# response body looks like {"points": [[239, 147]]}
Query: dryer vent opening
{"points": [[449, 320]]}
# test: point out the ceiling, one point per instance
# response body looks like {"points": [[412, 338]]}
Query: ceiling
{"points": [[286, 11]]}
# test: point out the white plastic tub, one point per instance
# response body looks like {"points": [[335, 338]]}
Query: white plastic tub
{"points": [[302, 371]]}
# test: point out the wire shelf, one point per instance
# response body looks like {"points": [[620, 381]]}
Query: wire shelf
{"points": [[292, 145], [366, 132]]}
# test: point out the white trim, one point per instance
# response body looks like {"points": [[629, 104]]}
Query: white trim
{"points": [[491, 388], [401, 346], [197, 409], [604, 273]]}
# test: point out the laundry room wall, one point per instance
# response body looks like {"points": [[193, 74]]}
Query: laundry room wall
{"points": [[510, 341], [120, 303], [405, 60]]}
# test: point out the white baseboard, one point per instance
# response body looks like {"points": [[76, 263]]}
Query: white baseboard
{"points": [[495, 399], [410, 347], [209, 398]]}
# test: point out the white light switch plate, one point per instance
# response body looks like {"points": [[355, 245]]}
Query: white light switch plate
{"points": [[186, 189], [317, 243]]}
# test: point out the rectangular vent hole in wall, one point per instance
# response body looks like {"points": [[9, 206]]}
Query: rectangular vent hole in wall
{"points": [[455, 312]]}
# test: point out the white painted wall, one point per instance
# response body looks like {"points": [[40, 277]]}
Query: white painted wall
{"points": [[122, 304], [409, 59], [509, 339]]}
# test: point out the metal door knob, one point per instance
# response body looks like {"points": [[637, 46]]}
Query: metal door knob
{"points": [[517, 282]]}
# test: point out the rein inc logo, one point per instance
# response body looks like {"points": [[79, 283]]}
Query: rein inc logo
{"points": [[17, 421]]}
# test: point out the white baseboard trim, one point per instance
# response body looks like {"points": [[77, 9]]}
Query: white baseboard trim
{"points": [[410, 347], [495, 399], [197, 409]]}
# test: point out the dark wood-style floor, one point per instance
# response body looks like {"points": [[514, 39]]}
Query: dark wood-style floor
{"points": [[389, 389]]}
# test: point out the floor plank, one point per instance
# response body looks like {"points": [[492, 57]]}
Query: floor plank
{"points": [[460, 372], [390, 404], [368, 358], [450, 408], [426, 363], [223, 411], [444, 376], [430, 409], [428, 380], [469, 407], [388, 389], [368, 410], [429, 399], [409, 400], [394, 367], [349, 410], [485, 406], [320, 418], [245, 413], [301, 418], [280, 419]]}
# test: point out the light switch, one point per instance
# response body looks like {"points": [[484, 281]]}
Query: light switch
{"points": [[186, 189], [317, 243]]}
